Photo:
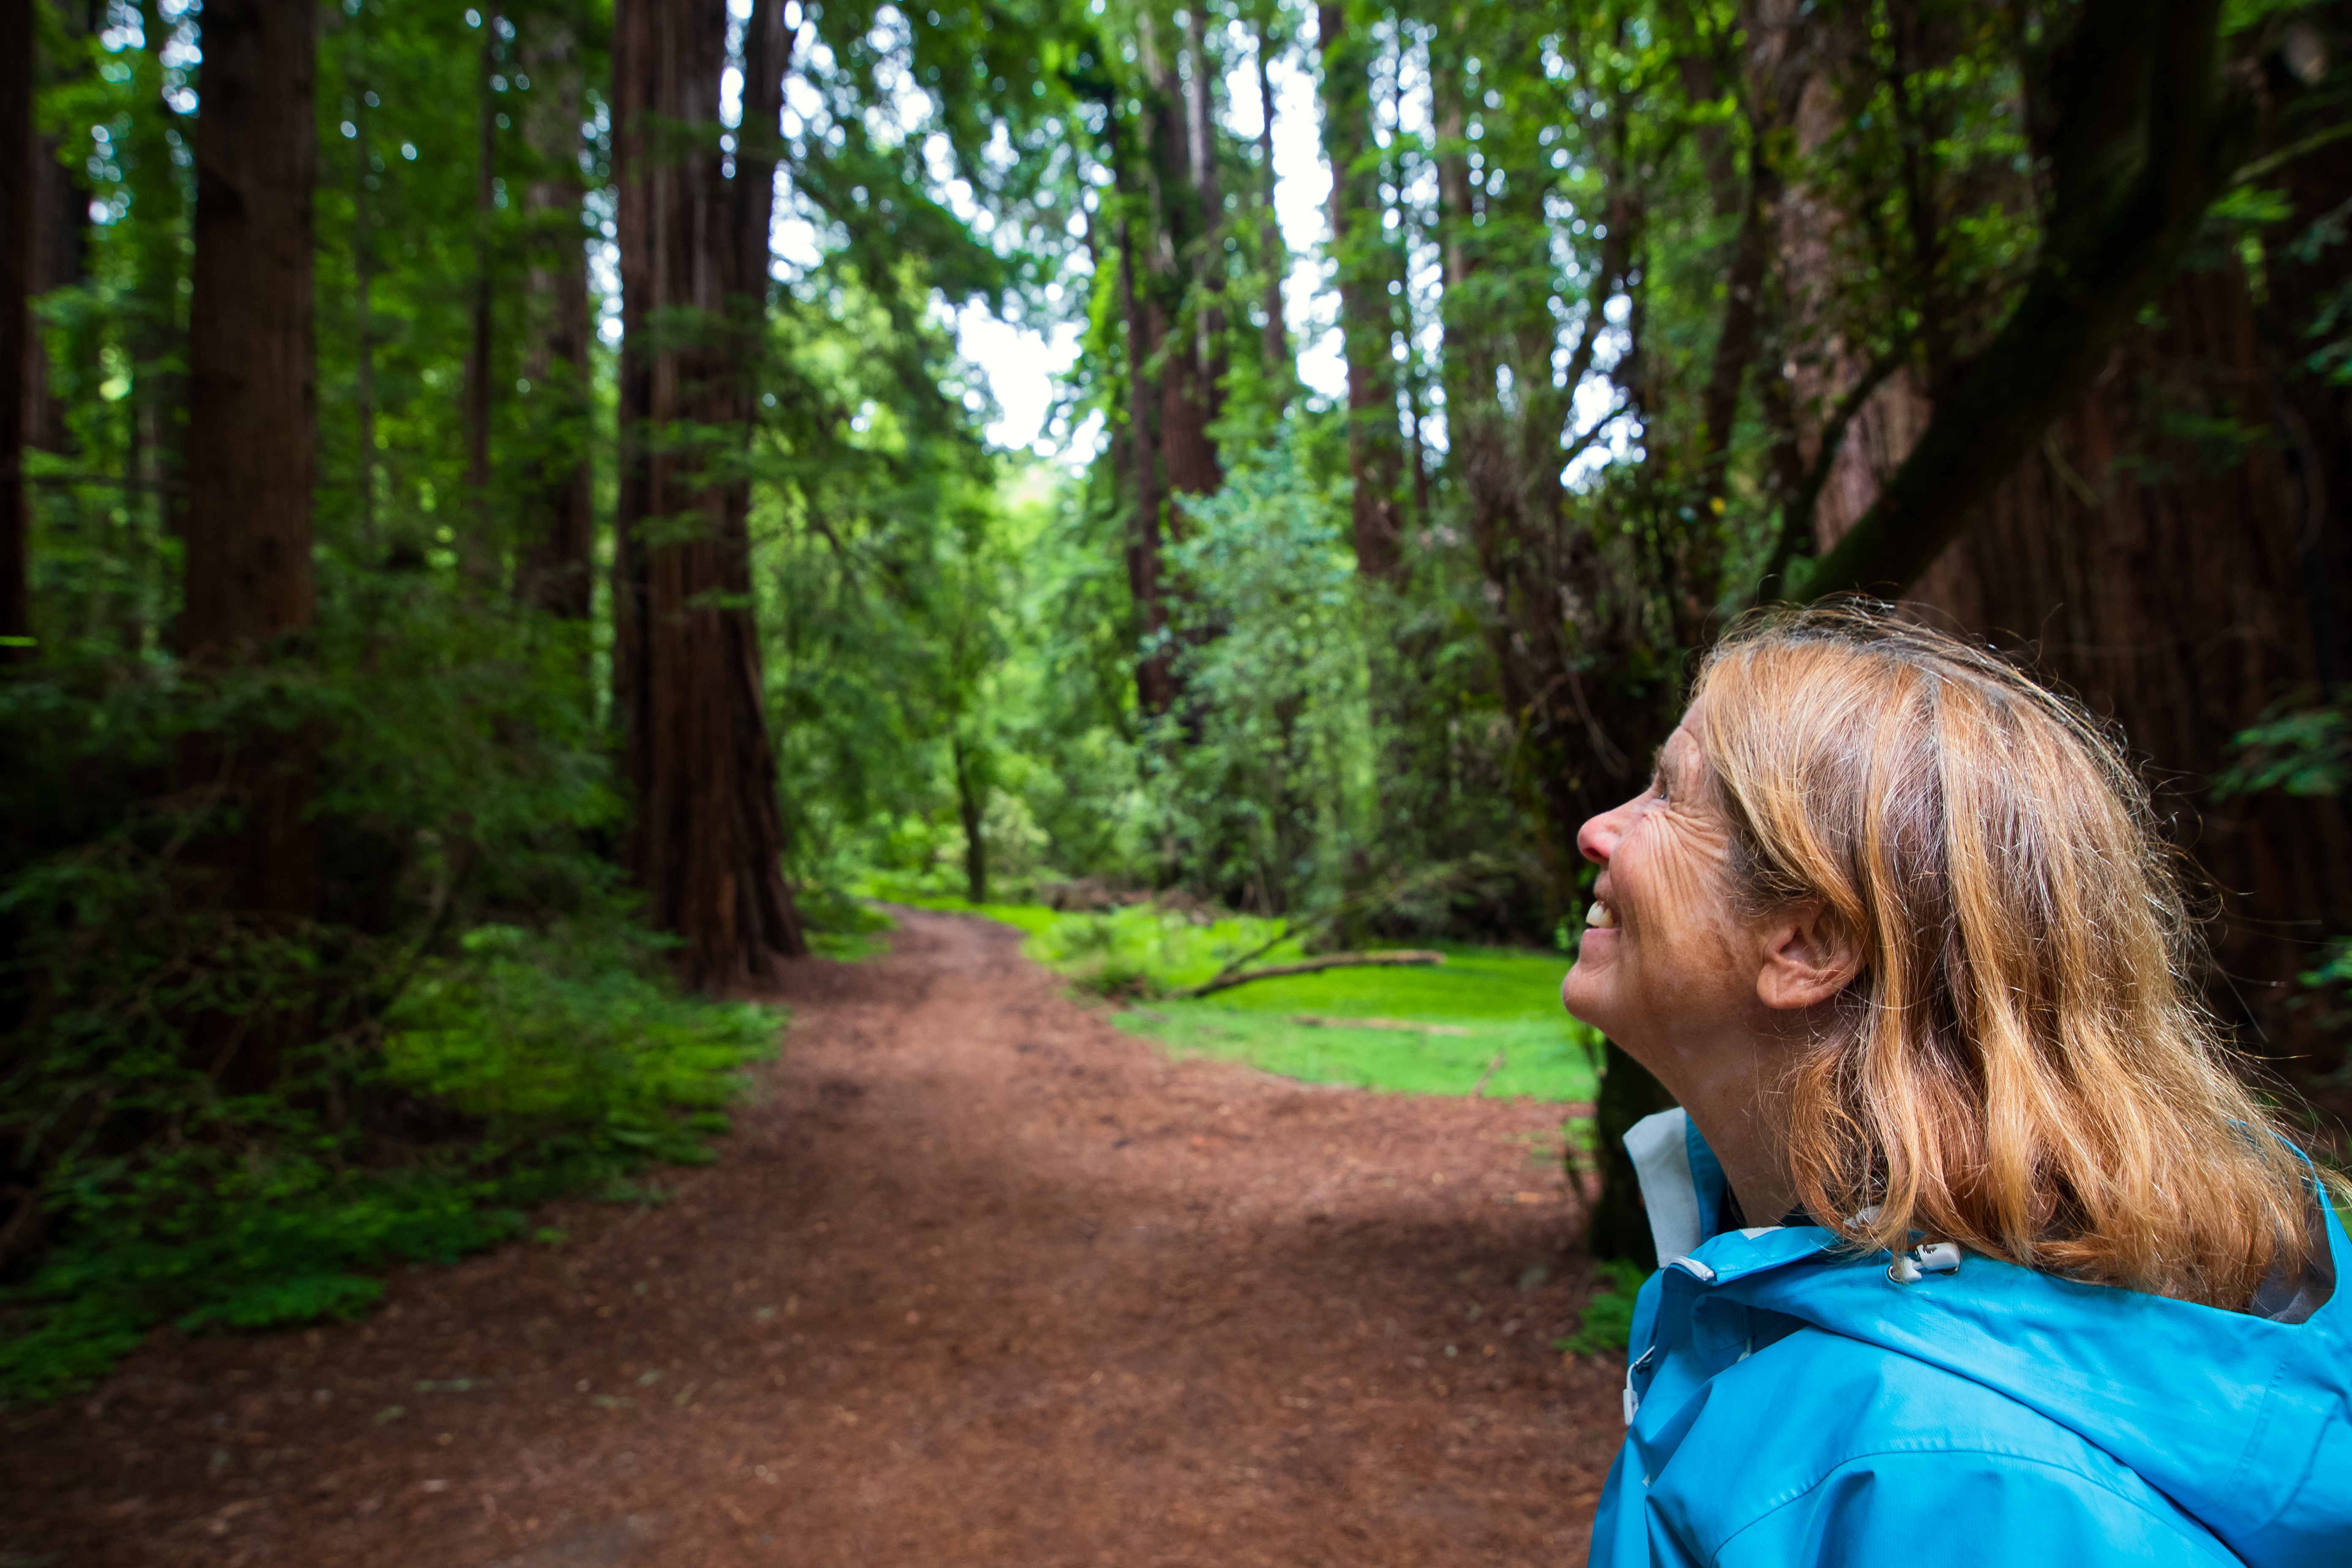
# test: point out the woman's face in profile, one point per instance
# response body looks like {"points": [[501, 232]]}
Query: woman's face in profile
{"points": [[1660, 961]]}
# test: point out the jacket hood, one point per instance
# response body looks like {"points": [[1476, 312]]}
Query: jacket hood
{"points": [[2244, 1422]]}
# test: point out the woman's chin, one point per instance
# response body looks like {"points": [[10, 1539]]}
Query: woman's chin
{"points": [[1583, 992]]}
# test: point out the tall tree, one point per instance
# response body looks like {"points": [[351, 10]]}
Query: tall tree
{"points": [[18, 145], [253, 374], [559, 501], [706, 841], [479, 549], [60, 227], [1367, 267], [1274, 340], [252, 358], [1155, 671], [1181, 189]]}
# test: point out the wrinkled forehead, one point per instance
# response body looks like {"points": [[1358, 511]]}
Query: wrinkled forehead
{"points": [[1684, 747]]}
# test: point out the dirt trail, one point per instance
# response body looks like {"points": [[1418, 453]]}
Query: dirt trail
{"points": [[983, 1282]]}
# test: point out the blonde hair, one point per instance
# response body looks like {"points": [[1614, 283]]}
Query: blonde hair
{"points": [[2022, 1065]]}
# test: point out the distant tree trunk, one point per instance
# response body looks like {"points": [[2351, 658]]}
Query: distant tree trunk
{"points": [[1367, 265], [1281, 371], [1155, 679], [971, 805], [1188, 380], [1620, 1224], [61, 232], [17, 148], [253, 375], [363, 308], [558, 513], [479, 549], [706, 841]]}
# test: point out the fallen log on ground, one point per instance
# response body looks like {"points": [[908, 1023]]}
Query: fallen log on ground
{"points": [[1314, 965], [1405, 1025]]}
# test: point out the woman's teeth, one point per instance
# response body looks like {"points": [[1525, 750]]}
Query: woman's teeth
{"points": [[1601, 916]]}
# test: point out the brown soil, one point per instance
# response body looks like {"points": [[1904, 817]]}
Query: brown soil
{"points": [[981, 1281]]}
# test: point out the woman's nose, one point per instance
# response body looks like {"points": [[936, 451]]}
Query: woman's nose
{"points": [[1597, 839]]}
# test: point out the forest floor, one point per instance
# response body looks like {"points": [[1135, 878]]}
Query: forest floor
{"points": [[977, 1281]]}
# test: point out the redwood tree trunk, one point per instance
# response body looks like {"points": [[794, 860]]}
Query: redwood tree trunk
{"points": [[1155, 680], [1273, 337], [1187, 384], [480, 550], [2177, 586], [253, 377], [559, 516], [16, 150], [59, 230], [1367, 264], [707, 839]]}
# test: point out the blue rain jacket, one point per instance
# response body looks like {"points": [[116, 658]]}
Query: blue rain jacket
{"points": [[1788, 1404]]}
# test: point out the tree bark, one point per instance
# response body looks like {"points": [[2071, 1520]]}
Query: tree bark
{"points": [[1187, 390], [971, 807], [1155, 679], [253, 378], [1366, 266], [1273, 337], [60, 233], [1620, 1222], [18, 149], [706, 841], [559, 506], [251, 354], [2175, 586], [2133, 165], [364, 304], [479, 549]]}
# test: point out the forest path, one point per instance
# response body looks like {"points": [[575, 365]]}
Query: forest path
{"points": [[980, 1281]]}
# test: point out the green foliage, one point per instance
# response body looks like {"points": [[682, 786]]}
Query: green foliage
{"points": [[2302, 750], [1607, 1320], [1263, 781], [518, 1067], [568, 1036]]}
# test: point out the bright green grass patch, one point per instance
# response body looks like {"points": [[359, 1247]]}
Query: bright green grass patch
{"points": [[1485, 1002], [1504, 1002]]}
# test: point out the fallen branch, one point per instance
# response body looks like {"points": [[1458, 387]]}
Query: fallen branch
{"points": [[1491, 1069], [1405, 1025], [1314, 965]]}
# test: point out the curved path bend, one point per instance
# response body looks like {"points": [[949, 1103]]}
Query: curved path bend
{"points": [[979, 1281]]}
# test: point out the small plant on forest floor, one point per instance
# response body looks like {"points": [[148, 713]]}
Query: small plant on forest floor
{"points": [[1607, 1320]]}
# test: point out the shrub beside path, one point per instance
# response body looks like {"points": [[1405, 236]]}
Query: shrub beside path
{"points": [[979, 1281]]}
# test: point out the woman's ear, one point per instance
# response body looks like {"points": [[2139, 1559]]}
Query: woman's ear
{"points": [[1810, 956]]}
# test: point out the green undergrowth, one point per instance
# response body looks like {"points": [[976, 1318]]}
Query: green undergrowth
{"points": [[1607, 1322], [521, 1067], [840, 927], [1487, 1016]]}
